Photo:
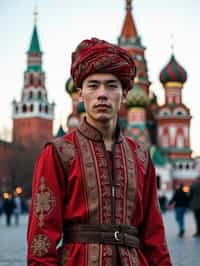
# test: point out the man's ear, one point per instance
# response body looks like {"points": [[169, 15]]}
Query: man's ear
{"points": [[79, 90]]}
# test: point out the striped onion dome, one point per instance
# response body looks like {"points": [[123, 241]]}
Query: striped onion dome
{"points": [[69, 86], [173, 72], [137, 97]]}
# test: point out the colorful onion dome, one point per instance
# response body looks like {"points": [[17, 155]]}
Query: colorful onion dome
{"points": [[137, 97], [173, 72], [70, 87], [80, 108]]}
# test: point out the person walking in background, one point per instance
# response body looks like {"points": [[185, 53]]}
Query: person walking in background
{"points": [[194, 195], [8, 207], [180, 202], [17, 208]]}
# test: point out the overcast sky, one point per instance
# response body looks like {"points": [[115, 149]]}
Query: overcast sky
{"points": [[62, 24]]}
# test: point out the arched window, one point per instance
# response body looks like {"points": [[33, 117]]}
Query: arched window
{"points": [[24, 108], [31, 108], [31, 80], [16, 109], [30, 95], [165, 141], [46, 108], [39, 95], [40, 108], [180, 141]]}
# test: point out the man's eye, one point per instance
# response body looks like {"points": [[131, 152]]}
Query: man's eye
{"points": [[112, 86], [92, 86]]}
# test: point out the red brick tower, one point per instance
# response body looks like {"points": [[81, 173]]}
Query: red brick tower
{"points": [[33, 114]]}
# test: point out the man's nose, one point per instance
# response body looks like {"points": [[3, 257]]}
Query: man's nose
{"points": [[102, 92]]}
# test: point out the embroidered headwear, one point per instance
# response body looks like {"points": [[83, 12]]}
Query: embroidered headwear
{"points": [[98, 56]]}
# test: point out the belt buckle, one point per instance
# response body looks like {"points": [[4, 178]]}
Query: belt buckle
{"points": [[116, 235]]}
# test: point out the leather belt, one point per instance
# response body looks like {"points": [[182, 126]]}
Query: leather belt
{"points": [[112, 234]]}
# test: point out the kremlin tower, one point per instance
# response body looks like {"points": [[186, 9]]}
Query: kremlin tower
{"points": [[33, 114]]}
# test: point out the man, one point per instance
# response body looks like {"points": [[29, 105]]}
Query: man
{"points": [[195, 204], [94, 188], [180, 202]]}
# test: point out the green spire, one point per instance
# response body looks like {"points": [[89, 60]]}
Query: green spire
{"points": [[60, 132], [34, 46]]}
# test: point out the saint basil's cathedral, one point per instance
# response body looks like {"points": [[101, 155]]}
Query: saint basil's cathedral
{"points": [[164, 129]]}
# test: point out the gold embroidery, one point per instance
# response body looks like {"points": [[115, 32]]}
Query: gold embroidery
{"points": [[44, 202], [89, 178], [134, 257], [131, 182], [142, 155], [66, 151], [93, 254], [40, 245]]}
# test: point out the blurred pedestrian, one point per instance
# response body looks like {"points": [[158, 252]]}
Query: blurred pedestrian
{"points": [[17, 208], [8, 207], [180, 202], [195, 203], [163, 202]]}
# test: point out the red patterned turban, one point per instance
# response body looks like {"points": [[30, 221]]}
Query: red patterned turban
{"points": [[98, 56]]}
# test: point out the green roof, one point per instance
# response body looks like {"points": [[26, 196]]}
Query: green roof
{"points": [[35, 68], [157, 156], [34, 45]]}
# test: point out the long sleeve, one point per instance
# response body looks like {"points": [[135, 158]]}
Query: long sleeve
{"points": [[154, 244], [46, 211]]}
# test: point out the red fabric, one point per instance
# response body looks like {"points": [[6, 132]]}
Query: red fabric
{"points": [[98, 56], [67, 201]]}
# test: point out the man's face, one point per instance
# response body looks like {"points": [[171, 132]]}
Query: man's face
{"points": [[102, 95]]}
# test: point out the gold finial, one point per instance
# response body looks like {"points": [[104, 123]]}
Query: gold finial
{"points": [[172, 43], [128, 4], [35, 15]]}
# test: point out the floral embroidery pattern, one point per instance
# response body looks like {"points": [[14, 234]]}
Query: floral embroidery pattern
{"points": [[142, 155], [66, 151], [44, 201], [40, 245]]}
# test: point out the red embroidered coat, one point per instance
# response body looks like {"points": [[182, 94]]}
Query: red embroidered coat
{"points": [[84, 195]]}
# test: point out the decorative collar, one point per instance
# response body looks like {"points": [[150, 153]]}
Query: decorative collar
{"points": [[94, 134]]}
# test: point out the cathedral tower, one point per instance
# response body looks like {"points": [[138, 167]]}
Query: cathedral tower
{"points": [[131, 41], [33, 114], [173, 119]]}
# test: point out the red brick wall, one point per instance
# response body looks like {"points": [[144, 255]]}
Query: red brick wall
{"points": [[29, 131]]}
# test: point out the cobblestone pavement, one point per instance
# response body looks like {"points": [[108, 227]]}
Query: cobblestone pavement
{"points": [[184, 252]]}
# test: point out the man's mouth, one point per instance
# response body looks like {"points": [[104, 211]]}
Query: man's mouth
{"points": [[102, 106]]}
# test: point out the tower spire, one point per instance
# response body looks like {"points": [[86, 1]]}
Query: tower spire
{"points": [[129, 4], [35, 15], [34, 44], [129, 31], [172, 43]]}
